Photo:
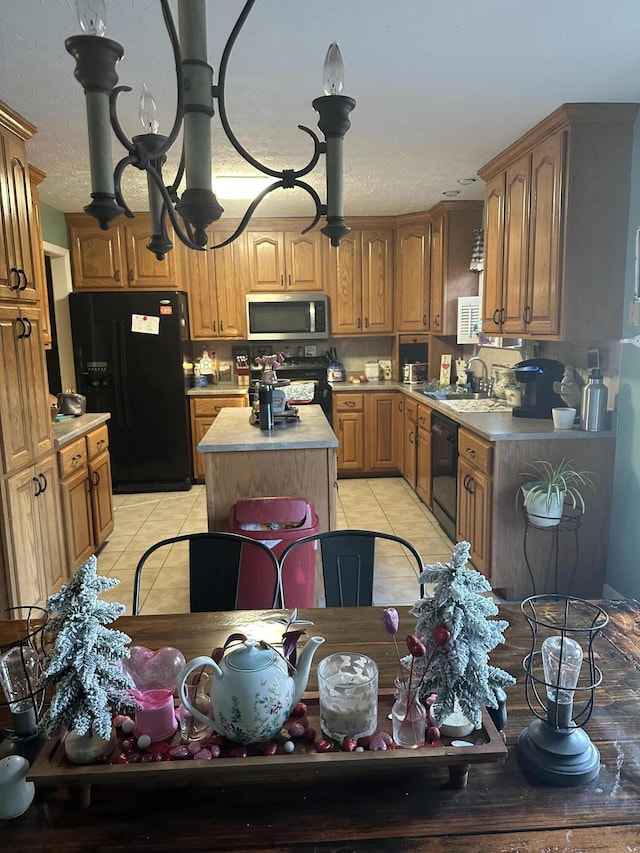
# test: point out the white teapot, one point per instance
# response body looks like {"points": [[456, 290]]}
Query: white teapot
{"points": [[252, 693]]}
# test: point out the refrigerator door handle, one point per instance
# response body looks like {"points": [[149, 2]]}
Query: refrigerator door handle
{"points": [[119, 361]]}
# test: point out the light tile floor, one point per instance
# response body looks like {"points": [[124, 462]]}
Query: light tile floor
{"points": [[384, 504]]}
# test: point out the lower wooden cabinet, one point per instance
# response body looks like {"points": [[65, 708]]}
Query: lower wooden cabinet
{"points": [[33, 541], [410, 442], [423, 460], [85, 484], [204, 411], [366, 426], [475, 485]]}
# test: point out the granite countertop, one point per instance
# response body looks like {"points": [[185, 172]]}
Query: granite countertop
{"points": [[69, 429], [231, 431]]}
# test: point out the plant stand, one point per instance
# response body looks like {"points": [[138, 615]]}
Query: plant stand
{"points": [[570, 522]]}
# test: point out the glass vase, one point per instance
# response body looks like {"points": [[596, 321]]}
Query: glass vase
{"points": [[408, 715]]}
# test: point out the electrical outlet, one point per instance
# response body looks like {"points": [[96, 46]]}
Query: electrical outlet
{"points": [[634, 312]]}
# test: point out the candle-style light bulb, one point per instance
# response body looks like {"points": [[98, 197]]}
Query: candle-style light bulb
{"points": [[92, 17], [333, 72], [562, 660], [148, 111]]}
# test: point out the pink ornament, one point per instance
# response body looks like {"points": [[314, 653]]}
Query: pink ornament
{"points": [[151, 670]]}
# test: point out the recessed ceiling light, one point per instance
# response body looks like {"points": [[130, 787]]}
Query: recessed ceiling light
{"points": [[451, 193], [466, 181]]}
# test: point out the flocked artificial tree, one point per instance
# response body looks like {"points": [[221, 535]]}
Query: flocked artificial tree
{"points": [[83, 665], [459, 669]]}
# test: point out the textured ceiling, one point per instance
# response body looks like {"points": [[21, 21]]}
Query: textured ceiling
{"points": [[441, 87]]}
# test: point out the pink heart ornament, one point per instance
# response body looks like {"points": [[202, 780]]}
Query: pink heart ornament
{"points": [[154, 670]]}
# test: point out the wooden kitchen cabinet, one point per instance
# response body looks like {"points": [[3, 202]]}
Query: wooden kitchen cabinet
{"points": [[474, 495], [40, 273], [366, 426], [410, 443], [204, 411], [34, 553], [17, 262], [85, 485], [555, 234], [453, 226], [412, 275], [360, 275], [285, 260], [217, 284], [118, 259], [423, 454]]}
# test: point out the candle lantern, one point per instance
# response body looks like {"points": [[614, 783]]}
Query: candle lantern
{"points": [[560, 681], [21, 701]]}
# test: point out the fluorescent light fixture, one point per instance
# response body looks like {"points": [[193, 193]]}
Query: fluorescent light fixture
{"points": [[240, 186]]}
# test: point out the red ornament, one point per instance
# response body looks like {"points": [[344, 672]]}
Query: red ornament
{"points": [[441, 634]]}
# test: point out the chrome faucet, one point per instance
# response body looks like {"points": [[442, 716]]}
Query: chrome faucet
{"points": [[483, 383], [485, 373]]}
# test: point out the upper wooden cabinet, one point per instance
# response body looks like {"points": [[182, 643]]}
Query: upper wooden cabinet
{"points": [[119, 258], [412, 279], [453, 224], [216, 282], [360, 276], [40, 274], [285, 260], [17, 264], [556, 229]]}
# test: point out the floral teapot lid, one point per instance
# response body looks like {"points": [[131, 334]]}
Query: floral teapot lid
{"points": [[251, 656]]}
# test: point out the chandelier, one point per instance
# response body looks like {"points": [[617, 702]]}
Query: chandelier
{"points": [[193, 211]]}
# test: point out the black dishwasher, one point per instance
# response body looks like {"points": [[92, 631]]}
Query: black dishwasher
{"points": [[444, 471]]}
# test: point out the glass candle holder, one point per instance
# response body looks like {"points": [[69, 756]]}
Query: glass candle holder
{"points": [[348, 688]]}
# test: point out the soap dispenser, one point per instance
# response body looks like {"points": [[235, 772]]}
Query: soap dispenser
{"points": [[593, 411]]}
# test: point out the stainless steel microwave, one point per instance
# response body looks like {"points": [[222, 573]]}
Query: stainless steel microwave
{"points": [[287, 316]]}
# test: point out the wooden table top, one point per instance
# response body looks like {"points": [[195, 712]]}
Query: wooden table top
{"points": [[499, 810]]}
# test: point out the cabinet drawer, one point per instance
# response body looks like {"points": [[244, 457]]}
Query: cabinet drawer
{"points": [[411, 410], [349, 403], [214, 405], [72, 457], [97, 441], [424, 417], [475, 450]]}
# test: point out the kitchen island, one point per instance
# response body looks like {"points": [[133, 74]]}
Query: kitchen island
{"points": [[296, 459]]}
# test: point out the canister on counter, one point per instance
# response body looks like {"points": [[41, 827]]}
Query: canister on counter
{"points": [[335, 371]]}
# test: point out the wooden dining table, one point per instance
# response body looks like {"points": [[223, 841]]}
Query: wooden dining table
{"points": [[500, 809]]}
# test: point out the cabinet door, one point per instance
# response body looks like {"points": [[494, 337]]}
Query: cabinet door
{"points": [[34, 374], [412, 278], [26, 580], [345, 285], [40, 272], [543, 296], [266, 260], [19, 221], [380, 409], [516, 245], [410, 450], [437, 274], [53, 563], [101, 497], [377, 282], [15, 428], [398, 427], [350, 434], [473, 521], [198, 272], [97, 257], [303, 261], [423, 466], [143, 268], [492, 307], [78, 516], [231, 286]]}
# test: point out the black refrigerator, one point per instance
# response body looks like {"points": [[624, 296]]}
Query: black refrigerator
{"points": [[128, 351]]}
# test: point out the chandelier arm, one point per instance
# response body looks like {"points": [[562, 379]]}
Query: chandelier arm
{"points": [[122, 137], [177, 55], [117, 175], [168, 206], [219, 92]]}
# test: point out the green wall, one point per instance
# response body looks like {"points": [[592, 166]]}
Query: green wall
{"points": [[623, 567], [54, 226]]}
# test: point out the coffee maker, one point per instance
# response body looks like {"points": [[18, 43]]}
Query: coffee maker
{"points": [[537, 376]]}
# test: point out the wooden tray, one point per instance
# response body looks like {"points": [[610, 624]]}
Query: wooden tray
{"points": [[52, 768]]}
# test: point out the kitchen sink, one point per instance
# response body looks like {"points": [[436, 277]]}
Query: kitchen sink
{"points": [[466, 395]]}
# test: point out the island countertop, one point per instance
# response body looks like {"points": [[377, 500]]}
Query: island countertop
{"points": [[232, 432]]}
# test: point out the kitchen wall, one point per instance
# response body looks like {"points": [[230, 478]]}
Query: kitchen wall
{"points": [[623, 566]]}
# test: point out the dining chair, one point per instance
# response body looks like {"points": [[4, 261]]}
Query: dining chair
{"points": [[227, 571], [348, 559]]}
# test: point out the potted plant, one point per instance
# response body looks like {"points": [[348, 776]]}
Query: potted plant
{"points": [[549, 486]]}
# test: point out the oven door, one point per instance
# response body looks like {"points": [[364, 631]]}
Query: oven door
{"points": [[444, 472]]}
